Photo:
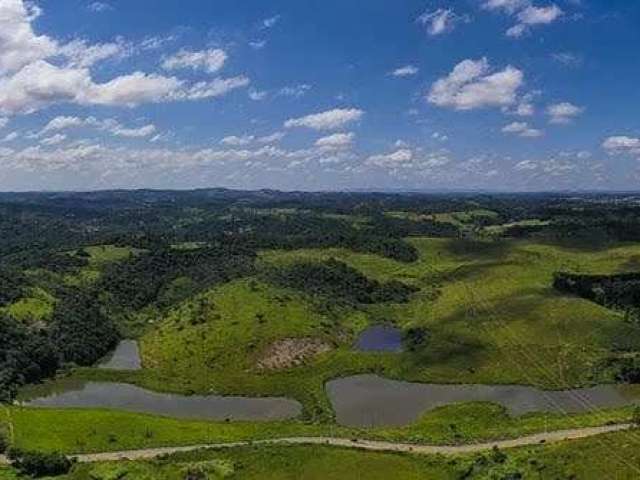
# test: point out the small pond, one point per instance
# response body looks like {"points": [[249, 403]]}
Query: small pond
{"points": [[370, 400], [120, 396], [380, 338], [126, 356]]}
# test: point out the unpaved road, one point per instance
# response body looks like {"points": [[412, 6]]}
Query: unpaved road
{"points": [[549, 437]]}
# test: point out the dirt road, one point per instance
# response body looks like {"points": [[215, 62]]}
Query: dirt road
{"points": [[549, 437]]}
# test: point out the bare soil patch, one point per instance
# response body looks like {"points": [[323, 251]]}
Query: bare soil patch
{"points": [[291, 352]]}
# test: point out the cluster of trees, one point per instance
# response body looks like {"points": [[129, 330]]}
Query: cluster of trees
{"points": [[165, 275], [79, 333], [39, 464], [621, 291], [339, 282], [27, 355]]}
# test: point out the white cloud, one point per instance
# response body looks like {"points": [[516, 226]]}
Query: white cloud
{"points": [[532, 16], [35, 71], [295, 91], [10, 137], [522, 129], [622, 144], [568, 59], [81, 54], [215, 88], [563, 113], [471, 85], [526, 165], [441, 137], [143, 131], [236, 141], [273, 138], [440, 21], [271, 21], [3, 122], [510, 6], [19, 45], [405, 71], [391, 159], [337, 140], [54, 139], [62, 123], [257, 95], [99, 7], [329, 120], [258, 44], [210, 60]]}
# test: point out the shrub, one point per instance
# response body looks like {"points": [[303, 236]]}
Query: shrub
{"points": [[38, 464]]}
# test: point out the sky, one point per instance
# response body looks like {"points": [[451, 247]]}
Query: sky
{"points": [[498, 95]]}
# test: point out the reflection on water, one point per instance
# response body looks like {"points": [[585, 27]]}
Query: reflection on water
{"points": [[126, 356], [380, 338], [135, 399], [370, 400]]}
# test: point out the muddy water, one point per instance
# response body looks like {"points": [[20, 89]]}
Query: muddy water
{"points": [[380, 338], [370, 400], [120, 396], [126, 356]]}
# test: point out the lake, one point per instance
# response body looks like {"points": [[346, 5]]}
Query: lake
{"points": [[121, 396], [370, 400]]}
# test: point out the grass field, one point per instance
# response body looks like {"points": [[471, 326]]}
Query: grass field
{"points": [[490, 309], [86, 430], [614, 456]]}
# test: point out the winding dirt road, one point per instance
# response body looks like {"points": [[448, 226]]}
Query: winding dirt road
{"points": [[549, 437]]}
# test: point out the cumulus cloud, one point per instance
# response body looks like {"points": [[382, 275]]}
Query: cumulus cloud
{"points": [[19, 45], [337, 140], [526, 14], [393, 159], [441, 21], [563, 113], [532, 16], [405, 71], [110, 125], [32, 77], [522, 129], [622, 144], [329, 120], [210, 60], [471, 85]]}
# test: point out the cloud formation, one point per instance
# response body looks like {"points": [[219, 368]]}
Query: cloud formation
{"points": [[471, 85], [329, 120]]}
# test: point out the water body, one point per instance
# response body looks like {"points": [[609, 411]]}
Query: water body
{"points": [[121, 396], [370, 400], [126, 356], [380, 338]]}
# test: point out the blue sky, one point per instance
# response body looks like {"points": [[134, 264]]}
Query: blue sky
{"points": [[517, 95]]}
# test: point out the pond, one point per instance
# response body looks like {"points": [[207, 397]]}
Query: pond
{"points": [[370, 400], [120, 396], [126, 356], [380, 338]]}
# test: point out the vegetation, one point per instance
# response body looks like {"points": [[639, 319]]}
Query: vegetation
{"points": [[506, 289]]}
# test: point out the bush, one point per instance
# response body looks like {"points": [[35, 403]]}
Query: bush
{"points": [[4, 442], [37, 464]]}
